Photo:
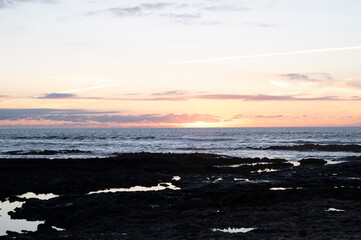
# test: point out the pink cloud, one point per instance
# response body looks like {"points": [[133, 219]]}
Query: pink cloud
{"points": [[79, 116]]}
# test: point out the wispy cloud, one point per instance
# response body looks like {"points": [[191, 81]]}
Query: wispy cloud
{"points": [[178, 96], [146, 8], [243, 116], [99, 117], [11, 3], [89, 118], [172, 92], [58, 96], [34, 113], [145, 118], [266, 117], [249, 98], [3, 97], [124, 11], [354, 83], [182, 13], [68, 94], [159, 5], [296, 76], [299, 83], [309, 77], [269, 97], [182, 16], [267, 55]]}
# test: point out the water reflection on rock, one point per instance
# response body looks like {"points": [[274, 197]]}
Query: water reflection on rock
{"points": [[14, 225], [159, 187]]}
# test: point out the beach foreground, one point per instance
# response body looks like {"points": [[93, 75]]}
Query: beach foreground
{"points": [[185, 196]]}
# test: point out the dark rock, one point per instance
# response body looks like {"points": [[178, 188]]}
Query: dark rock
{"points": [[303, 233], [209, 198], [312, 161], [45, 227], [317, 147]]}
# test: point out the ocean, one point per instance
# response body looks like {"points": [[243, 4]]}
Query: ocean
{"points": [[239, 142]]}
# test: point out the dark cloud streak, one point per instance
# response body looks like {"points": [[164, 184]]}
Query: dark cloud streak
{"points": [[124, 11], [145, 118], [242, 116], [58, 96], [99, 117], [173, 92], [309, 77], [159, 5], [180, 96], [17, 114]]}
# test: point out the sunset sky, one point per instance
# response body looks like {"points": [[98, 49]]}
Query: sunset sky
{"points": [[210, 63]]}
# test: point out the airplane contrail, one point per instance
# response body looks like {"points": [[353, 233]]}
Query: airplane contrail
{"points": [[267, 55], [89, 88]]}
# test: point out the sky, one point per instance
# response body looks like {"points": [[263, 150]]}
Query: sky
{"points": [[184, 63]]}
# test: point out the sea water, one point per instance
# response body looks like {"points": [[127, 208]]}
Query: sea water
{"points": [[240, 142]]}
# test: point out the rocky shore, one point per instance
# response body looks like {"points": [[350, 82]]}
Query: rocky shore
{"points": [[185, 196], [317, 147]]}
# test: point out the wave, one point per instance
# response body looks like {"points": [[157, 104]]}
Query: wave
{"points": [[64, 138], [45, 152], [39, 137], [193, 149], [321, 142], [143, 138], [208, 139]]}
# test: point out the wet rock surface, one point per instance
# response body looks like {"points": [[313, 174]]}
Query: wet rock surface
{"points": [[318, 147], [312, 161], [210, 197]]}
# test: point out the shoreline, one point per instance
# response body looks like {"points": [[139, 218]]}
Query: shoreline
{"points": [[271, 196]]}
